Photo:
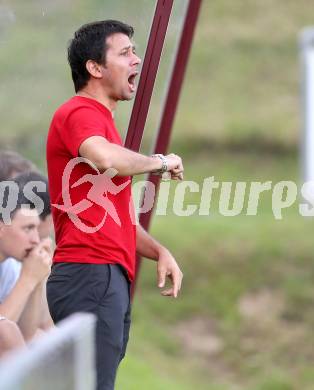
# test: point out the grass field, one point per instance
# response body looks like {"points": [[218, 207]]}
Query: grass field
{"points": [[245, 317]]}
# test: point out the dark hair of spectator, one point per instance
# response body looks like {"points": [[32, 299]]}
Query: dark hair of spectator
{"points": [[12, 164], [27, 177], [90, 43], [6, 193]]}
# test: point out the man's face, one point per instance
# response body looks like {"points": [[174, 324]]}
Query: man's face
{"points": [[121, 68], [21, 236]]}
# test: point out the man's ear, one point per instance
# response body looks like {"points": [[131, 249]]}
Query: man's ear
{"points": [[94, 69]]}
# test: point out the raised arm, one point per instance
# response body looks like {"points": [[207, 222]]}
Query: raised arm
{"points": [[107, 155]]}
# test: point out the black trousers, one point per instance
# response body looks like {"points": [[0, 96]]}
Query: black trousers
{"points": [[101, 289]]}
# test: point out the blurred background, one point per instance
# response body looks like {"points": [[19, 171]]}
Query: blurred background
{"points": [[245, 316]]}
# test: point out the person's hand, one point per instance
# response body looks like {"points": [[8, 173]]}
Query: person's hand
{"points": [[37, 264], [46, 246], [175, 166], [168, 267]]}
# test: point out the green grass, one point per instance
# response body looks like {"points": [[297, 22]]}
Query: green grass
{"points": [[144, 376], [226, 260], [243, 77]]}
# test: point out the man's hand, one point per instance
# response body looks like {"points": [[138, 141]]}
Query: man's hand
{"points": [[175, 166], [168, 267], [37, 265]]}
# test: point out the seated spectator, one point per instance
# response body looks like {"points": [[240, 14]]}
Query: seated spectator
{"points": [[11, 165], [20, 239], [38, 187]]}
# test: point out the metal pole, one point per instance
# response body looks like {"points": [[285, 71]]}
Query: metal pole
{"points": [[148, 74], [171, 102], [307, 69]]}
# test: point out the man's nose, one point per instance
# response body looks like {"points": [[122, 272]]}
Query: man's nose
{"points": [[35, 240], [137, 60]]}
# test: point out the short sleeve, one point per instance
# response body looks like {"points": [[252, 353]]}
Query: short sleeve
{"points": [[9, 274], [81, 124]]}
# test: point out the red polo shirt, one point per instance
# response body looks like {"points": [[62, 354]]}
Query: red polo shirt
{"points": [[101, 231]]}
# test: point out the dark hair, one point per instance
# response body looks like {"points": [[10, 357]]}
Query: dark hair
{"points": [[27, 177], [11, 189], [89, 43], [12, 164]]}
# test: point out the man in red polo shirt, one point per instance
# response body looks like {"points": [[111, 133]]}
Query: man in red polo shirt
{"points": [[90, 188]]}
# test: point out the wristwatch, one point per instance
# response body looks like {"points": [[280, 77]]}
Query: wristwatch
{"points": [[164, 166]]}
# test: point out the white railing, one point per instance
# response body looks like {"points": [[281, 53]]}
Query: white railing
{"points": [[306, 44], [62, 359]]}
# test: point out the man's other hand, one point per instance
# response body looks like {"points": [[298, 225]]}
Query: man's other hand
{"points": [[168, 267]]}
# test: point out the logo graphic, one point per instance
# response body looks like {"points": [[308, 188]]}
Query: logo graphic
{"points": [[102, 184]]}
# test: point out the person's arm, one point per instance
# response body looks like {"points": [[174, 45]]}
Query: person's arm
{"points": [[30, 317], [34, 269], [13, 306], [150, 248], [46, 321], [107, 155], [10, 337]]}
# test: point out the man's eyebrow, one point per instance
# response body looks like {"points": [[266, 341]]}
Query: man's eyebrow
{"points": [[31, 225], [128, 47]]}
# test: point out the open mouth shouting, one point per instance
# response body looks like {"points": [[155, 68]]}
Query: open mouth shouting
{"points": [[132, 82]]}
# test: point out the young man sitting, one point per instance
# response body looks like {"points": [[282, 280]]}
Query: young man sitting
{"points": [[19, 238]]}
